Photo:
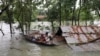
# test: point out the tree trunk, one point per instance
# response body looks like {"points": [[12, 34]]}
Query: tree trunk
{"points": [[4, 9], [73, 15], [75, 21], [86, 22], [97, 12], [9, 14], [59, 12], [30, 18], [22, 25], [79, 13], [52, 26], [2, 30]]}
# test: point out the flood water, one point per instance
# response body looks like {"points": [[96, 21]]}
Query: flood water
{"points": [[18, 46]]}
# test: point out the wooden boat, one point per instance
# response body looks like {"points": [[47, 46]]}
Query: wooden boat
{"points": [[30, 39]]}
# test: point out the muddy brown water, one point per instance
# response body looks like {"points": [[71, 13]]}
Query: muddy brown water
{"points": [[18, 46]]}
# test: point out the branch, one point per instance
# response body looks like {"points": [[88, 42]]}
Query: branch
{"points": [[5, 8]]}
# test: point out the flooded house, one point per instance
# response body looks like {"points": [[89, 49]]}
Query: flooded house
{"points": [[79, 34]]}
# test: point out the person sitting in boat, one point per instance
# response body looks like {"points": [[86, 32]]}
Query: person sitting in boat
{"points": [[33, 38], [42, 38], [48, 38], [51, 39]]}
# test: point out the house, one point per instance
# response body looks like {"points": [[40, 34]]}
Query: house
{"points": [[79, 34]]}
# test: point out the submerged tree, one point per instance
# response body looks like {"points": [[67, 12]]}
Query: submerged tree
{"points": [[24, 11]]}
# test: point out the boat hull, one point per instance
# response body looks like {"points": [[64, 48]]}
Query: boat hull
{"points": [[40, 43]]}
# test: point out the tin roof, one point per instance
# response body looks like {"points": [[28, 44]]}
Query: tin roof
{"points": [[80, 34]]}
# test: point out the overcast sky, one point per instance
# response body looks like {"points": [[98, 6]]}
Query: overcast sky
{"points": [[77, 4]]}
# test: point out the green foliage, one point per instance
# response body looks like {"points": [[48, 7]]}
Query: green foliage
{"points": [[27, 10]]}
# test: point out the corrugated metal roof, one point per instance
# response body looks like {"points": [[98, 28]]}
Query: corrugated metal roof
{"points": [[80, 34]]}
